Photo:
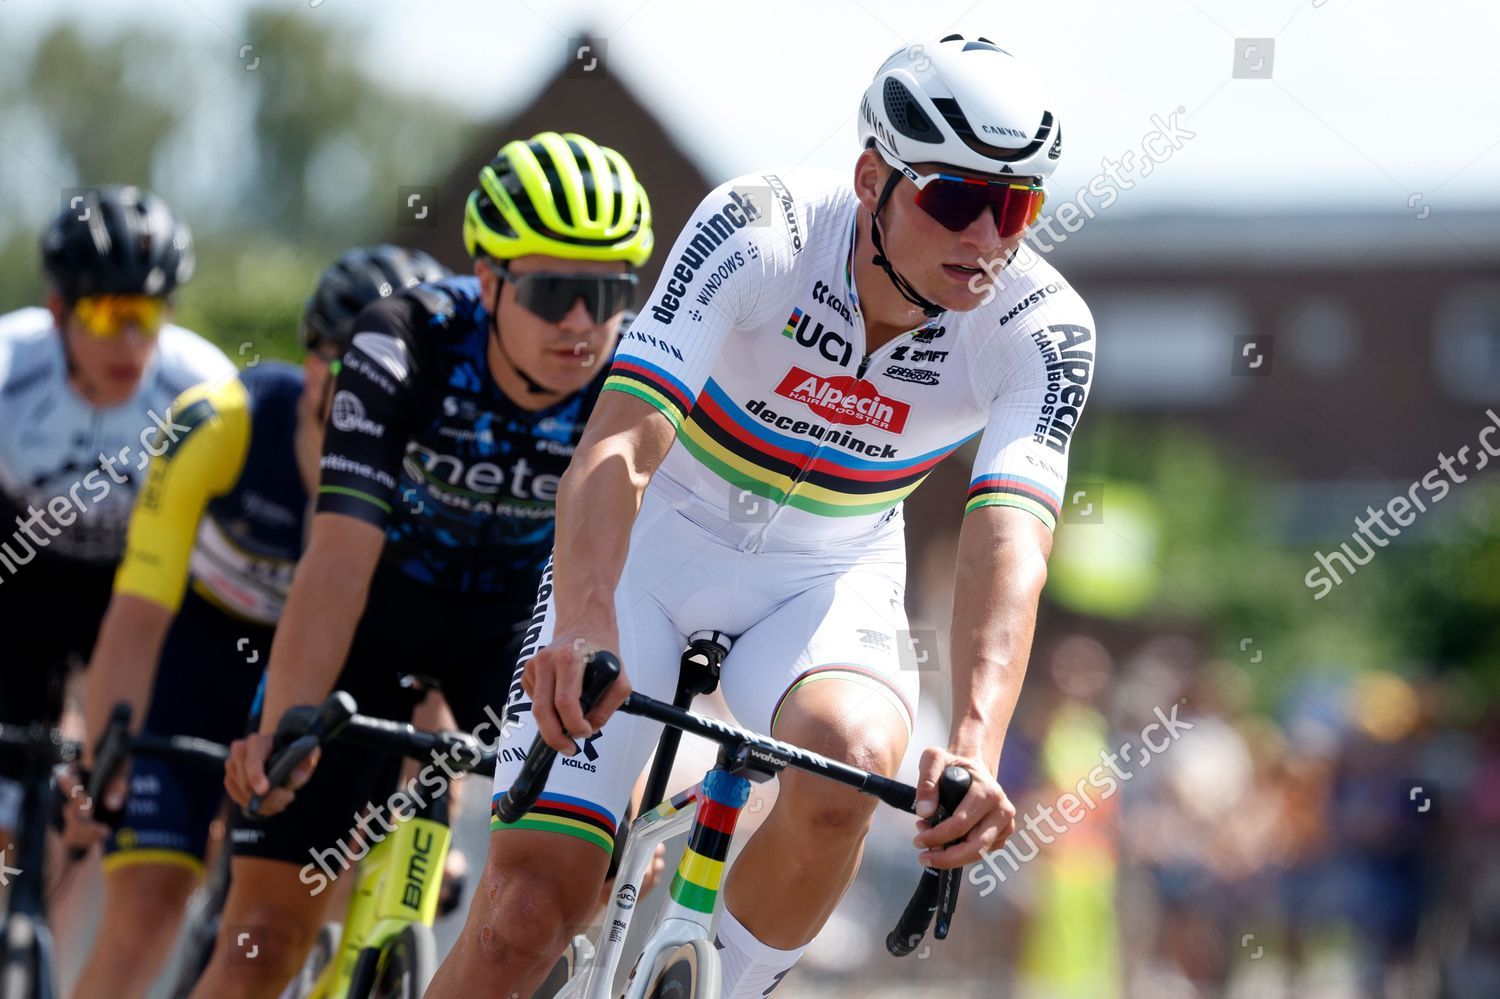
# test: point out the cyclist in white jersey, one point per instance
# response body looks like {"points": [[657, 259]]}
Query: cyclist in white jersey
{"points": [[811, 351], [86, 385]]}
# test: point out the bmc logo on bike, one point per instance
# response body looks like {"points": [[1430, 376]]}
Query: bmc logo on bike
{"points": [[417, 870], [844, 399]]}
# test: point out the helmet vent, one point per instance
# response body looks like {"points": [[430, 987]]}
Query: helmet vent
{"points": [[906, 115], [955, 117]]}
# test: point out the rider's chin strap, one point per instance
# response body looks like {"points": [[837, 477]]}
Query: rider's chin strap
{"points": [[929, 309], [532, 385]]}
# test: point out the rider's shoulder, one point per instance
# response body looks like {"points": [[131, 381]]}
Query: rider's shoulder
{"points": [[28, 346], [185, 358], [1031, 292]]}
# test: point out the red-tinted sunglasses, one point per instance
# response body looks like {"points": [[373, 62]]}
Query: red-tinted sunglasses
{"points": [[955, 201]]}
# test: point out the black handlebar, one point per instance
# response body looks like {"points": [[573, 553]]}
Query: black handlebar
{"points": [[304, 728], [601, 670], [937, 891], [109, 756], [116, 744], [301, 730]]}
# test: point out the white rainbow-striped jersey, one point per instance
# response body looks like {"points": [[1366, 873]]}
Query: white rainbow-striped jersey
{"points": [[790, 436]]}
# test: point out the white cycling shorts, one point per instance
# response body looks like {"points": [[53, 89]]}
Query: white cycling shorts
{"points": [[796, 618]]}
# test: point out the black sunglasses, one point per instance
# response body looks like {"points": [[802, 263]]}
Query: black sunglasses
{"points": [[552, 296]]}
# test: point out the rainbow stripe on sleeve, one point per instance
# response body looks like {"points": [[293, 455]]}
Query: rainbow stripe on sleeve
{"points": [[1017, 491], [654, 384]]}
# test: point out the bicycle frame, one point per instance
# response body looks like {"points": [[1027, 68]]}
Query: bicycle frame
{"points": [[709, 810], [25, 904], [398, 884], [718, 801]]}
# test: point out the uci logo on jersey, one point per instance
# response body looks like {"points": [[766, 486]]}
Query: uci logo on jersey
{"points": [[828, 343]]}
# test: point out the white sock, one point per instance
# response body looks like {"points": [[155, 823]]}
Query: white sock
{"points": [[751, 969]]}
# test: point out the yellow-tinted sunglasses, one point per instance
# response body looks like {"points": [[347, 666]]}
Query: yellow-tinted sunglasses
{"points": [[109, 315]]}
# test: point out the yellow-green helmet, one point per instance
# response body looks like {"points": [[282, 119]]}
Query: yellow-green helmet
{"points": [[559, 194]]}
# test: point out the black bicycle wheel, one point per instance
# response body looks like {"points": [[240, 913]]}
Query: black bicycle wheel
{"points": [[689, 972], [406, 964], [325, 951], [578, 952], [22, 972]]}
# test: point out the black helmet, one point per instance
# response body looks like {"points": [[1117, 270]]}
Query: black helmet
{"points": [[357, 278], [117, 241]]}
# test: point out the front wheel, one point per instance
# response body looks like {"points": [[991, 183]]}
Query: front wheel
{"points": [[690, 971], [324, 952], [25, 964], [403, 967]]}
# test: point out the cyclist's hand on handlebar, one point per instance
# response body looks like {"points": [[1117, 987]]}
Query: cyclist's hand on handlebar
{"points": [[245, 774], [80, 829], [983, 821], [553, 678]]}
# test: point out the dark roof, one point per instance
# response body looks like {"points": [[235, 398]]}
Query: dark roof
{"points": [[1208, 241], [605, 110]]}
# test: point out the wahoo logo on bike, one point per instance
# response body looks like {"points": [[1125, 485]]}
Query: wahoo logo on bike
{"points": [[827, 341], [736, 214]]}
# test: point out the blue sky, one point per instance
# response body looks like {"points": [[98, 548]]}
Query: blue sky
{"points": [[1368, 103]]}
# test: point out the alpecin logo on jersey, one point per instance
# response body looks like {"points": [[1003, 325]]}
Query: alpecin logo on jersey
{"points": [[736, 213], [844, 399], [1068, 371], [828, 343]]}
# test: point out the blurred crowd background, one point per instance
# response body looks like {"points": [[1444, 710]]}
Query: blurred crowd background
{"points": [[1269, 369]]}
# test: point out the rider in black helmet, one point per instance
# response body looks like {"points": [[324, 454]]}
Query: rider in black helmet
{"points": [[196, 601], [85, 384]]}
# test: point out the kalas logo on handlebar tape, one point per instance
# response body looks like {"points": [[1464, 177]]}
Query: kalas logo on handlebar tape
{"points": [[737, 213]]}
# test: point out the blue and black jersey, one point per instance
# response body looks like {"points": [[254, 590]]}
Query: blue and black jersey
{"points": [[422, 443]]}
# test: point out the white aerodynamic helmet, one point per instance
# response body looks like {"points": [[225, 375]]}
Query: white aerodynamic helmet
{"points": [[963, 102]]}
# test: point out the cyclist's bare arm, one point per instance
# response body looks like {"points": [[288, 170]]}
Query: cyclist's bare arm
{"points": [[317, 627], [1002, 565], [597, 502], [122, 668], [311, 643]]}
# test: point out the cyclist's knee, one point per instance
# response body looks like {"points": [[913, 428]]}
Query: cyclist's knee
{"points": [[145, 902], [269, 921], [538, 889], [820, 807]]}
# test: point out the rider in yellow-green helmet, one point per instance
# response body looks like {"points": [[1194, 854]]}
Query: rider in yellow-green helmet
{"points": [[557, 221], [456, 408]]}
